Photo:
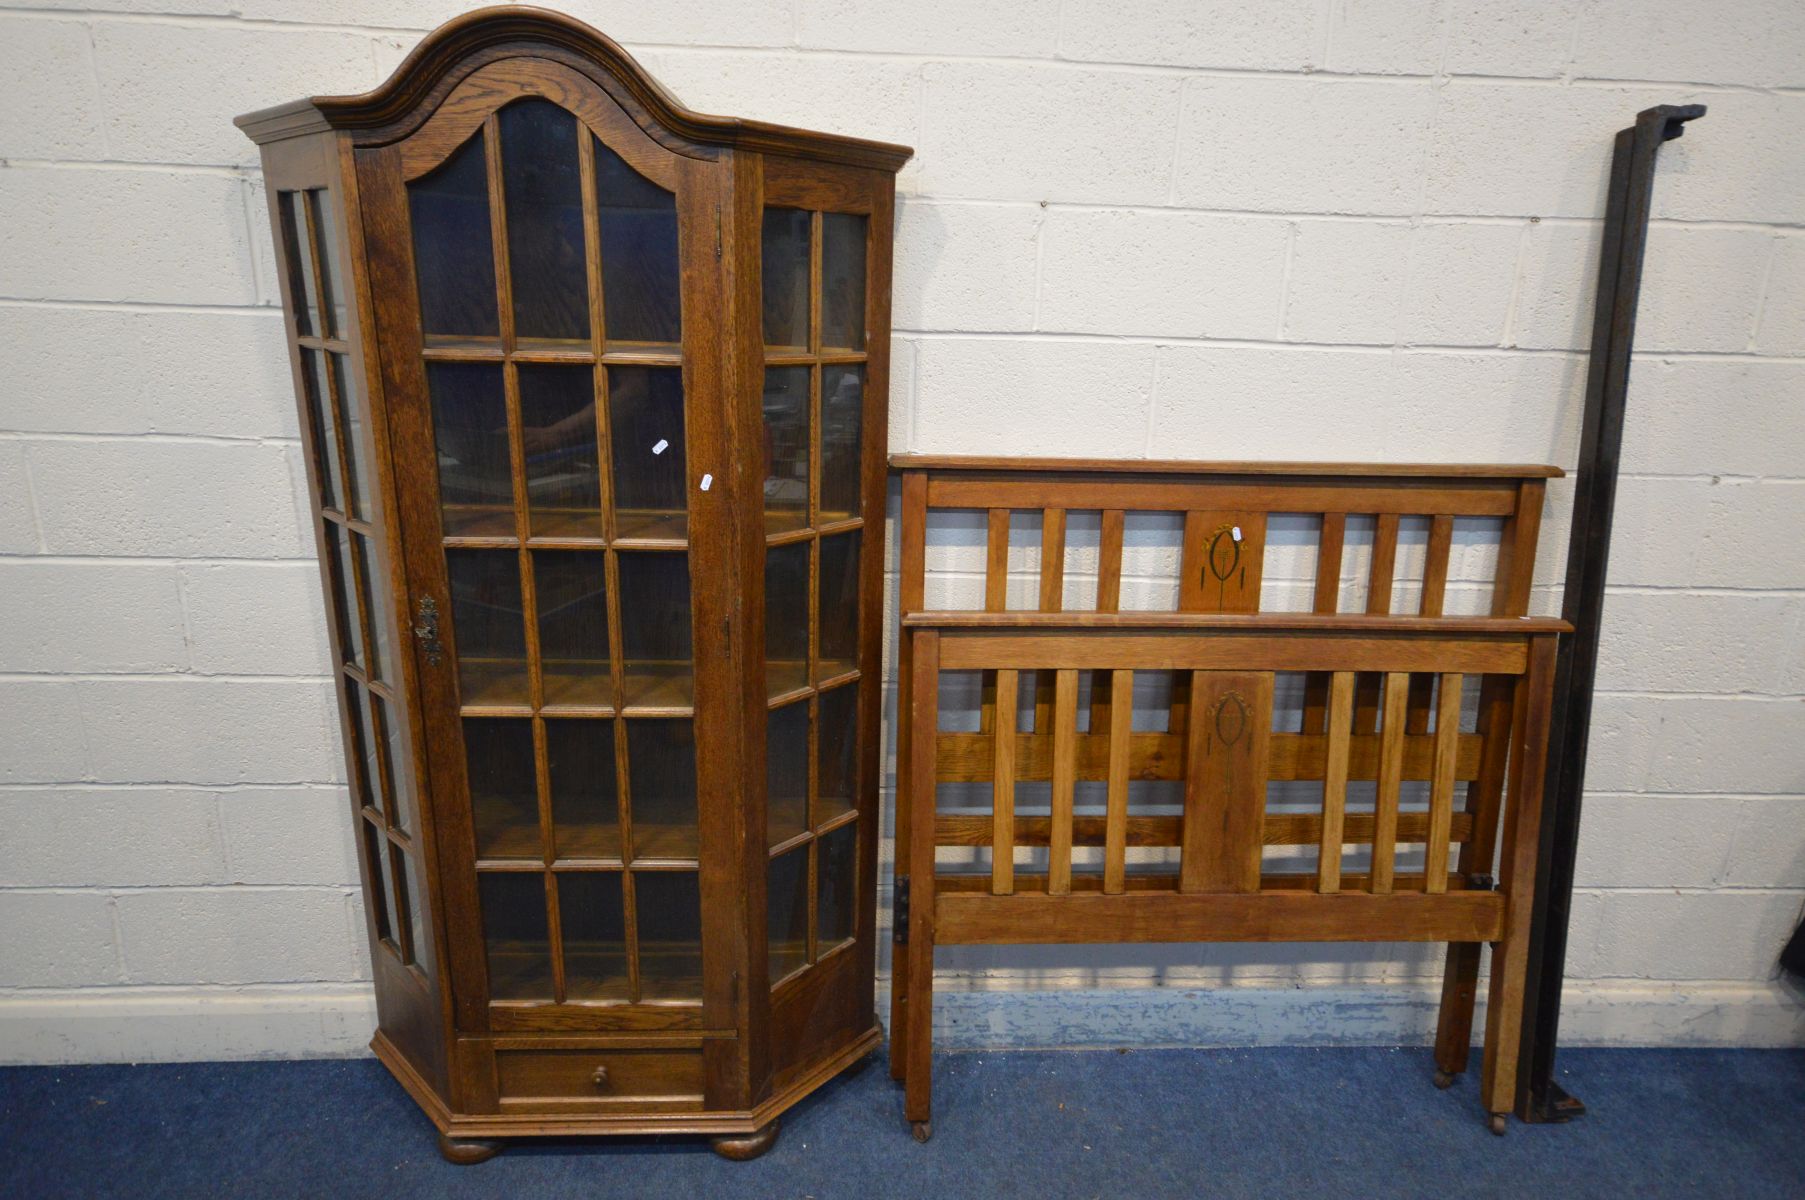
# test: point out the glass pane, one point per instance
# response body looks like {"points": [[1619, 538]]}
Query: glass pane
{"points": [[514, 930], [416, 907], [544, 195], [325, 428], [470, 433], [379, 731], [594, 921], [838, 648], [645, 411], [401, 770], [373, 856], [504, 797], [366, 781], [382, 649], [842, 281], [837, 753], [297, 251], [585, 807], [400, 916], [836, 887], [638, 222], [661, 759], [351, 403], [786, 772], [337, 553], [490, 626], [786, 247], [669, 906], [454, 260], [570, 587], [786, 448], [563, 467], [842, 415], [332, 297], [786, 903], [786, 618], [655, 636]]}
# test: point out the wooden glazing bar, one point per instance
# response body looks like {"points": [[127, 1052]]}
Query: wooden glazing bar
{"points": [[1441, 787], [1002, 794], [1334, 783], [1121, 684], [1065, 732], [1266, 916], [1391, 773]]}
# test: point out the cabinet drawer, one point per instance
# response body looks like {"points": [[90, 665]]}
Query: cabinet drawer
{"points": [[597, 1077]]}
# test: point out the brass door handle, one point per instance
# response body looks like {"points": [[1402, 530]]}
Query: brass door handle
{"points": [[426, 628]]}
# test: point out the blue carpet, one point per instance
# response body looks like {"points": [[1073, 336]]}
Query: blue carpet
{"points": [[1229, 1123]]}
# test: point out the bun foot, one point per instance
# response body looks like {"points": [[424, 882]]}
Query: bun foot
{"points": [[1443, 1080], [739, 1147], [923, 1130], [1496, 1123], [465, 1151]]}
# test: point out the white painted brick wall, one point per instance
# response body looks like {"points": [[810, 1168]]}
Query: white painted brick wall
{"points": [[1213, 228]]}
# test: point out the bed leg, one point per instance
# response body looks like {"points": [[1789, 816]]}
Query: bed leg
{"points": [[1454, 1028]]}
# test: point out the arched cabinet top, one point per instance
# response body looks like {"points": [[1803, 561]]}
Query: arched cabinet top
{"points": [[449, 54]]}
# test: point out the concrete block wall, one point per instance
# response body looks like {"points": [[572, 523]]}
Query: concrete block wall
{"points": [[1177, 228]]}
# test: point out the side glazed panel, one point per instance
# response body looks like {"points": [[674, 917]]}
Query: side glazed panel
{"points": [[345, 447], [824, 307]]}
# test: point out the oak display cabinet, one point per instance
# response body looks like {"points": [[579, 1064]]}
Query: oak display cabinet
{"points": [[593, 395]]}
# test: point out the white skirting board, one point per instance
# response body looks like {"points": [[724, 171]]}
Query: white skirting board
{"points": [[92, 1025]]}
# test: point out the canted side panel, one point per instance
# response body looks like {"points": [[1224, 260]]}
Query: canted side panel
{"points": [[313, 208], [823, 337]]}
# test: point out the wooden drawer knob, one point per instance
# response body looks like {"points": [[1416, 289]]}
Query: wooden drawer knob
{"points": [[600, 1078]]}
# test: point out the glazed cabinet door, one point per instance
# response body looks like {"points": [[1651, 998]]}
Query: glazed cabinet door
{"points": [[824, 292], [544, 335]]}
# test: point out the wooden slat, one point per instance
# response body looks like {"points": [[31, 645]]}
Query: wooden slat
{"points": [[1089, 829], [972, 649], [1334, 783], [1435, 566], [1065, 731], [1002, 837], [966, 757], [1331, 546], [1115, 838], [1441, 787], [1515, 628], [1052, 560], [1517, 551], [1472, 498], [1220, 572], [1225, 788], [1157, 916], [1391, 774], [1384, 564], [1031, 882], [1256, 467], [996, 561], [1109, 561]]}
